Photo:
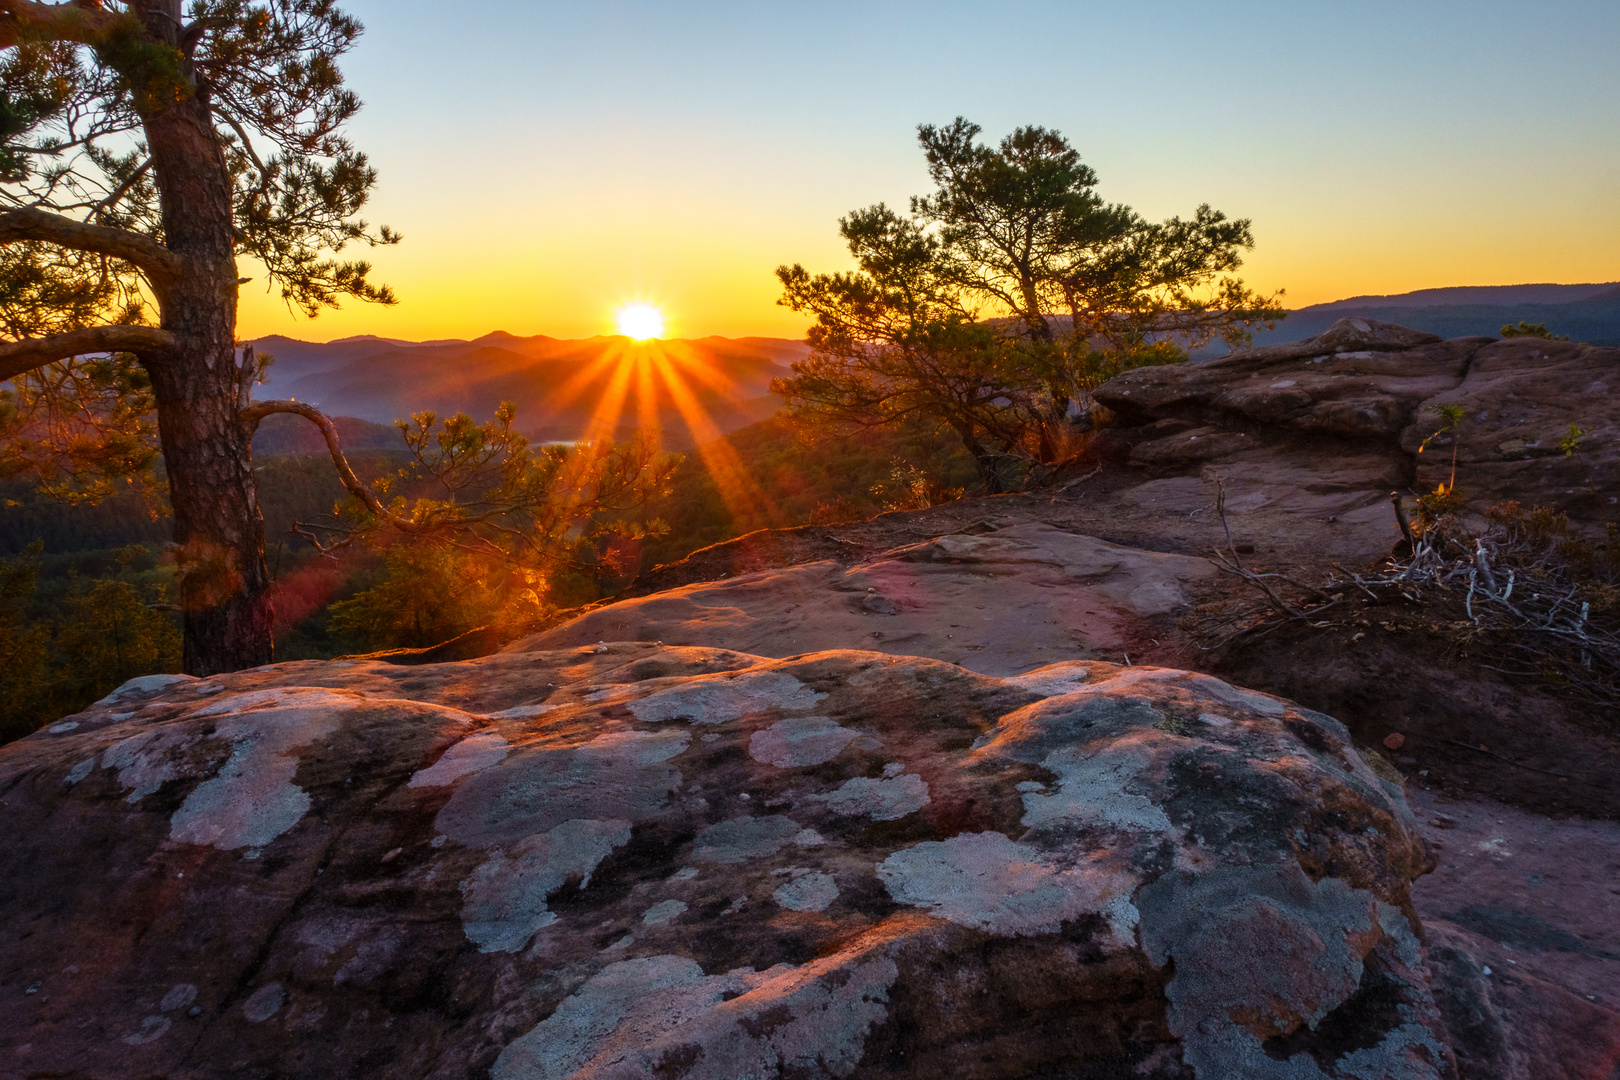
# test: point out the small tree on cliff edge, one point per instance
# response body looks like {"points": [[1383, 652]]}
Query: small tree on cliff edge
{"points": [[1082, 289], [142, 148]]}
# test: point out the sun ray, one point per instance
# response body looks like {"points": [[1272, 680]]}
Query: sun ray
{"points": [[696, 364], [604, 421], [737, 489], [575, 387], [647, 394]]}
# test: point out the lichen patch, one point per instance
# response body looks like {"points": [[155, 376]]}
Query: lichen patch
{"points": [[252, 799], [472, 754], [147, 761], [745, 838], [799, 741], [662, 912], [639, 1018], [144, 684], [1055, 680], [504, 901], [718, 699], [622, 774], [810, 892], [988, 882], [1094, 790], [881, 800]]}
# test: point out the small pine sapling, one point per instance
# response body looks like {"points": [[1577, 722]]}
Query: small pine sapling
{"points": [[1443, 500]]}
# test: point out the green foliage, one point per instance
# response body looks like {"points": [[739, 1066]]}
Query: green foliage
{"points": [[278, 98], [537, 527], [1005, 297], [1570, 442], [24, 650], [67, 640], [31, 96], [109, 636], [1544, 536], [1450, 416], [791, 470], [911, 488], [78, 86], [488, 487], [1443, 499], [427, 595], [1530, 329], [83, 429], [1433, 507]]}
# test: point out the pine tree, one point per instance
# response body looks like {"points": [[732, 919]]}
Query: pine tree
{"points": [[143, 150]]}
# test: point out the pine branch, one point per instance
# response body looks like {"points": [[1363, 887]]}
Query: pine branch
{"points": [[17, 357], [256, 413], [28, 223], [81, 20]]}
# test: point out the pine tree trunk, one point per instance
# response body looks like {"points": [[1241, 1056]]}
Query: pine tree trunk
{"points": [[207, 448], [218, 529], [982, 459]]}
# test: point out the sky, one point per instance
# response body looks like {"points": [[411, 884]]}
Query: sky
{"points": [[549, 163]]}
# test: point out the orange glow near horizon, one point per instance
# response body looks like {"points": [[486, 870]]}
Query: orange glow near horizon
{"points": [[647, 367]]}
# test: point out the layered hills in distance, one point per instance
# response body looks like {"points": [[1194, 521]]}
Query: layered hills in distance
{"points": [[1589, 313], [696, 390], [600, 387]]}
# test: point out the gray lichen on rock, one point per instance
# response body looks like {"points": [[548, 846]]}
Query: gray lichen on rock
{"points": [[611, 893]]}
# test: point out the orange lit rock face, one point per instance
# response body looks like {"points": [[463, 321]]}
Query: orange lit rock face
{"points": [[1000, 603], [633, 860]]}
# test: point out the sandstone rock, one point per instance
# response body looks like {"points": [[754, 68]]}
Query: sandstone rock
{"points": [[1522, 940], [1520, 397], [997, 602], [633, 860], [1348, 382], [1352, 406], [1507, 1024]]}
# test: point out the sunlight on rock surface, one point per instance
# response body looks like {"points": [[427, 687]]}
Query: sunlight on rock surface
{"points": [[692, 874]]}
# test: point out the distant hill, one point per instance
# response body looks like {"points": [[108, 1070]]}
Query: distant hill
{"points": [[694, 390], [1489, 295], [284, 433], [1589, 313]]}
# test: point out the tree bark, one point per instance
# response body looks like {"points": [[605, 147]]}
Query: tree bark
{"points": [[1039, 329], [207, 444], [982, 458]]}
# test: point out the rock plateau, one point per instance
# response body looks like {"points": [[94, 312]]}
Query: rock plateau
{"points": [[933, 794]]}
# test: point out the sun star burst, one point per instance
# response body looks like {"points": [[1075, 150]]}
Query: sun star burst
{"points": [[641, 321]]}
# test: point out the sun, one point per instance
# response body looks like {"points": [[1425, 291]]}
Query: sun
{"points": [[641, 321]]}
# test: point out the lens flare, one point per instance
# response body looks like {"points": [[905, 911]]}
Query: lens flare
{"points": [[641, 321], [667, 380]]}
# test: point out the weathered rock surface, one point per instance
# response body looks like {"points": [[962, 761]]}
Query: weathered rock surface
{"points": [[1522, 938], [1345, 412], [631, 860], [999, 603]]}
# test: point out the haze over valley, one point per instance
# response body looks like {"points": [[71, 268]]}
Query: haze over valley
{"points": [[600, 387]]}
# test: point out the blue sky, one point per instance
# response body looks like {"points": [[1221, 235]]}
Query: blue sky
{"points": [[548, 162]]}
